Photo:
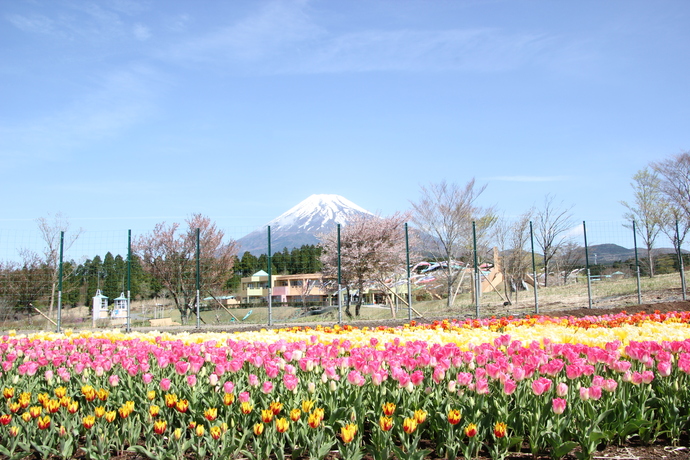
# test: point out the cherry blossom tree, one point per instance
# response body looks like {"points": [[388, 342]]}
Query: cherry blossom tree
{"points": [[371, 248], [168, 253]]}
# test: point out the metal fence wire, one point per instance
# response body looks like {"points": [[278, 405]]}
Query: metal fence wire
{"points": [[91, 280]]}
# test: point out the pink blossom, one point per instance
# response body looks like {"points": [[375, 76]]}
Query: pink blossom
{"points": [[509, 387], [417, 377], [584, 393], [48, 375], [664, 368], [541, 385], [243, 397], [561, 389], [229, 387], [165, 384], [518, 373], [191, 380], [267, 387], [181, 367], [595, 392], [290, 381], [647, 376], [147, 378], [213, 380], [482, 387], [114, 380], [609, 385], [558, 405]]}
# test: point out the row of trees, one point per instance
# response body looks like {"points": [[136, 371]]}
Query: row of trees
{"points": [[449, 226], [661, 203]]}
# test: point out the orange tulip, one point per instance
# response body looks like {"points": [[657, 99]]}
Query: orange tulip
{"points": [[52, 406], [388, 409], [500, 429], [151, 395], [171, 400], [60, 392], [276, 407], [200, 430], [228, 398], [215, 432], [295, 414], [258, 429], [471, 430], [409, 425], [110, 416], [73, 407], [99, 411], [211, 414], [14, 407], [88, 422], [454, 416], [88, 392], [5, 419], [267, 415], [24, 400], [43, 423], [348, 432], [420, 416], [282, 425], [385, 423], [35, 411], [246, 408], [182, 405], [8, 393], [159, 426], [13, 431], [307, 406], [103, 394], [154, 411]]}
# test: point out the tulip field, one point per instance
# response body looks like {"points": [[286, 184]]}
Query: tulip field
{"points": [[450, 389]]}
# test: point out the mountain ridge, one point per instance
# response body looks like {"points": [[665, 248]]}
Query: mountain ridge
{"points": [[301, 224]]}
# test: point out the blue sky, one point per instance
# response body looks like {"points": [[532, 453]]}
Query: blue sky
{"points": [[121, 113]]}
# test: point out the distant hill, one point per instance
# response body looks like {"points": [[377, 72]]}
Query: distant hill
{"points": [[301, 224], [609, 253]]}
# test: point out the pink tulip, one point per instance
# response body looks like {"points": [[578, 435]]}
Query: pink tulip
{"points": [[595, 392], [509, 387], [584, 393], [253, 380], [609, 385], [647, 377], [191, 380], [228, 387], [664, 368], [147, 378], [482, 387], [181, 367], [561, 389], [114, 380], [213, 380], [541, 385], [243, 397], [165, 384], [558, 405]]}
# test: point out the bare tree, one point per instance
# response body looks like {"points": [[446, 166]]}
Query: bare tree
{"points": [[168, 253], [517, 260], [569, 257], [675, 185], [444, 216], [647, 211], [369, 246], [552, 224], [51, 230]]}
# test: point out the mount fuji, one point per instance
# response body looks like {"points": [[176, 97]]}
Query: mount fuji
{"points": [[301, 224]]}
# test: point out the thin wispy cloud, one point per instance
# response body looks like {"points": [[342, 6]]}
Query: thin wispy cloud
{"points": [[282, 37], [123, 99], [528, 178]]}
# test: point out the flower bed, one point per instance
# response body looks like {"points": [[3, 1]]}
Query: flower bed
{"points": [[555, 384]]}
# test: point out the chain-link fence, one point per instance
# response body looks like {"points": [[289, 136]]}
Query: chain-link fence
{"points": [[89, 280]]}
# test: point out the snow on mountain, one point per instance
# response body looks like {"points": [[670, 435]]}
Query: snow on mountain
{"points": [[301, 224]]}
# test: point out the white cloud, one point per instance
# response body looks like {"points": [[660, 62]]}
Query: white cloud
{"points": [[33, 24]]}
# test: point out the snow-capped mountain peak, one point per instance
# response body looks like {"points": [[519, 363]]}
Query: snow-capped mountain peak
{"points": [[303, 223], [316, 212]]}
